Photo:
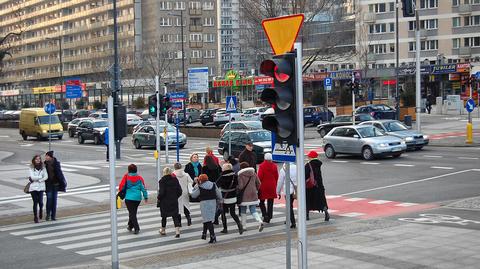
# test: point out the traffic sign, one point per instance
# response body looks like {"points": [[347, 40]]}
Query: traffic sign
{"points": [[282, 32], [231, 103], [49, 108], [327, 82], [477, 75], [282, 152], [73, 91], [177, 96], [470, 105]]}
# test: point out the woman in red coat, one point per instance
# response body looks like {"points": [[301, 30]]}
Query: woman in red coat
{"points": [[268, 175]]}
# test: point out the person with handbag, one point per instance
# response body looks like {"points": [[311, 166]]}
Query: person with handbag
{"points": [[169, 190], [268, 175], [282, 180], [247, 194], [186, 183], [56, 182], [227, 183], [132, 187], [315, 191], [209, 195], [36, 186]]}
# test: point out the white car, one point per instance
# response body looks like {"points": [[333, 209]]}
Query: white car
{"points": [[133, 120], [98, 115], [254, 113], [222, 117]]}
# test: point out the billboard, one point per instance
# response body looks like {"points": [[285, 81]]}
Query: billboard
{"points": [[198, 80]]}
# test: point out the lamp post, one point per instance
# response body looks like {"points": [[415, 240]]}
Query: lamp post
{"points": [[60, 52], [181, 32]]}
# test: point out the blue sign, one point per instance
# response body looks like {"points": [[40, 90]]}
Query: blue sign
{"points": [[231, 103], [470, 105], [178, 95], [177, 105], [327, 82], [477, 75], [73, 91], [49, 108], [198, 80], [282, 153]]}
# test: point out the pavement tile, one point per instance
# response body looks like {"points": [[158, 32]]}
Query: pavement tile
{"points": [[446, 265]]}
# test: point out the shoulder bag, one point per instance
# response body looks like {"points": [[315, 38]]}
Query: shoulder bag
{"points": [[241, 192], [121, 194], [294, 194], [26, 189], [311, 183]]}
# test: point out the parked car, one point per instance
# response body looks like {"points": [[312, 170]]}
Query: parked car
{"points": [[254, 113], [82, 113], [413, 139], [146, 137], [72, 126], [133, 120], [377, 111], [66, 115], [207, 115], [267, 112], [222, 117], [341, 120], [261, 139], [91, 129], [193, 115], [364, 140], [242, 125], [98, 115], [316, 115]]}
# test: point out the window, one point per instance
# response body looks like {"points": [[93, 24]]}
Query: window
{"points": [[165, 22], [209, 38], [425, 4], [392, 6], [165, 5], [456, 22], [474, 2], [429, 45], [208, 6], [195, 37], [209, 54], [196, 54], [179, 5], [411, 25], [378, 48], [429, 24], [455, 3], [377, 8], [209, 22], [195, 5], [472, 20], [392, 27], [472, 41], [456, 43], [378, 28]]}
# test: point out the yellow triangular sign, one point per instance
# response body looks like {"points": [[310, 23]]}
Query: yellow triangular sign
{"points": [[282, 32]]}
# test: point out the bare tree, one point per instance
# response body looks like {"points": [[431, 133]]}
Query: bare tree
{"points": [[156, 61], [7, 38]]}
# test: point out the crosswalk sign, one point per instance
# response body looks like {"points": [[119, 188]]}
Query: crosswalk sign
{"points": [[231, 103]]}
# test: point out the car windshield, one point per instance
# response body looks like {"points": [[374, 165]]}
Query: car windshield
{"points": [[370, 131], [250, 111], [394, 126], [171, 129], [100, 124], [46, 119], [260, 136], [364, 117], [343, 119]]}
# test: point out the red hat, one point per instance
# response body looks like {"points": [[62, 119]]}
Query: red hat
{"points": [[312, 154]]}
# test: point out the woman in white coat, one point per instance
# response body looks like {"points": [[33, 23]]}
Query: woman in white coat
{"points": [[293, 185], [186, 183], [37, 176]]}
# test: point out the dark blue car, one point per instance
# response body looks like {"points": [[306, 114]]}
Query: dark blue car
{"points": [[377, 111], [316, 115]]}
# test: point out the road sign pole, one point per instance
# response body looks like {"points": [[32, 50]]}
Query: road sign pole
{"points": [[113, 200], [157, 131], [50, 131], [302, 225], [230, 135], [417, 73], [326, 105], [178, 146], [165, 132], [288, 249]]}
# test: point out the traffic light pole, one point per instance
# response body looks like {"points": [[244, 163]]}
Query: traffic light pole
{"points": [[157, 131], [417, 73], [353, 98], [302, 213]]}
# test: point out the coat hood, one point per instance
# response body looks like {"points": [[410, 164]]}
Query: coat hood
{"points": [[179, 173], [207, 185], [249, 171]]}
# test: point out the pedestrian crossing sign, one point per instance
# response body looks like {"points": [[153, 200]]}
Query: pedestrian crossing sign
{"points": [[282, 152], [231, 103]]}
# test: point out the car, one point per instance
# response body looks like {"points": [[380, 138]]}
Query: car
{"points": [[269, 111], [316, 115], [98, 115], [222, 117], [207, 115], [193, 115], [81, 113], [365, 140], [72, 126], [414, 140], [341, 120], [36, 122], [133, 120], [146, 137], [254, 113], [242, 125], [377, 111], [66, 115], [261, 139], [91, 129]]}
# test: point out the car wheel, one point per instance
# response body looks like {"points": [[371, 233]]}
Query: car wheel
{"points": [[96, 140], [182, 146], [60, 137], [24, 136], [80, 139], [330, 152], [204, 123], [367, 153], [233, 119], [322, 132], [39, 137], [396, 155], [71, 133], [189, 120], [137, 144]]}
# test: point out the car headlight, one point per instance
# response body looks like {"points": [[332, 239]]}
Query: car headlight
{"points": [[44, 131], [425, 137], [408, 139], [403, 143], [383, 145]]}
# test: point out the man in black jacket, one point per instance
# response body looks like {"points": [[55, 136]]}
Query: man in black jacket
{"points": [[249, 156], [56, 182]]}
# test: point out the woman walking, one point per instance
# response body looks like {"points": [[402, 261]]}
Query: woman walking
{"points": [[208, 194], [248, 183], [194, 167], [268, 175], [282, 181], [186, 184], [211, 168], [134, 186], [316, 199], [227, 183], [169, 190], [38, 175]]}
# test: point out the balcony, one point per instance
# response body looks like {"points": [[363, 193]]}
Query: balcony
{"points": [[195, 28], [369, 17], [196, 45], [464, 52], [194, 12], [196, 61], [465, 9], [423, 34], [371, 57]]}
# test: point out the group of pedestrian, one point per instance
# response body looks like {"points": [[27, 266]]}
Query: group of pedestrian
{"points": [[45, 176]]}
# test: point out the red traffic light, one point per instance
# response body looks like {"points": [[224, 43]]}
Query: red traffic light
{"points": [[277, 68]]}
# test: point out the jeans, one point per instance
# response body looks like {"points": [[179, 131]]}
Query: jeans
{"points": [[132, 207], [251, 208], [52, 203], [37, 197], [267, 213]]}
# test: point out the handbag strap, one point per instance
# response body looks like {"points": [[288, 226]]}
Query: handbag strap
{"points": [[244, 187]]}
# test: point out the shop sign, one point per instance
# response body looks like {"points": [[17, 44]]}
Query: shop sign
{"points": [[231, 83], [344, 75], [463, 68], [231, 75], [405, 71], [314, 77], [444, 69], [454, 77], [9, 92], [389, 82], [47, 89], [263, 80]]}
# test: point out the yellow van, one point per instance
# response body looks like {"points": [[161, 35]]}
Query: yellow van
{"points": [[36, 122]]}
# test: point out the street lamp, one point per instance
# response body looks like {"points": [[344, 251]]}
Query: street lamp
{"points": [[181, 32], [59, 39]]}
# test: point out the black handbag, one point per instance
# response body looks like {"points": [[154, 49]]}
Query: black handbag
{"points": [[121, 194], [241, 192]]}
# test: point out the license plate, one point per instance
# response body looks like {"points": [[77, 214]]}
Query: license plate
{"points": [[397, 149], [420, 141]]}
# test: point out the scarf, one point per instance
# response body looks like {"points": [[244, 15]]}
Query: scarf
{"points": [[195, 168]]}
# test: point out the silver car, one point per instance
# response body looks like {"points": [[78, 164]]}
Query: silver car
{"points": [[365, 140], [413, 139]]}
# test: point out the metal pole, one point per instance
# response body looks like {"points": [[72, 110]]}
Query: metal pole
{"points": [[183, 56], [157, 130], [288, 250], [397, 49], [417, 84], [49, 131], [326, 105], [113, 202], [302, 213], [62, 93], [353, 99], [230, 134], [116, 70], [178, 146], [166, 138]]}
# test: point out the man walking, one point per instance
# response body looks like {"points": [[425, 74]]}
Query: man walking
{"points": [[56, 182], [249, 156]]}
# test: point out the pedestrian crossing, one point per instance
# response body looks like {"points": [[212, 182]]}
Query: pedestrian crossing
{"points": [[89, 235]]}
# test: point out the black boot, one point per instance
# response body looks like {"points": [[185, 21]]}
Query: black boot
{"points": [[40, 214], [240, 227], [189, 221], [213, 239], [327, 216], [204, 236], [35, 219]]}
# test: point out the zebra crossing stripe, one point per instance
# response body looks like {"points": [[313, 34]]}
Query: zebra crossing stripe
{"points": [[79, 166]]}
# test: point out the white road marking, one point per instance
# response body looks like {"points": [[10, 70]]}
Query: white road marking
{"points": [[80, 166], [403, 165], [468, 158], [26, 145], [379, 202], [332, 196], [432, 156], [352, 214], [441, 167], [369, 163], [406, 204], [354, 199], [4, 136], [337, 161], [69, 169]]}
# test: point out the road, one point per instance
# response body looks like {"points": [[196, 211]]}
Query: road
{"points": [[402, 188]]}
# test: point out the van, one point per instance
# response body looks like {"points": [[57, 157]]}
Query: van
{"points": [[36, 122]]}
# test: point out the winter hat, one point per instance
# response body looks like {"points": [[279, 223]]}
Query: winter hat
{"points": [[268, 156], [202, 178], [312, 154], [49, 153]]}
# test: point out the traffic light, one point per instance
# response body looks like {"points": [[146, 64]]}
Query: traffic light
{"points": [[152, 105], [408, 8], [165, 104], [282, 97]]}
